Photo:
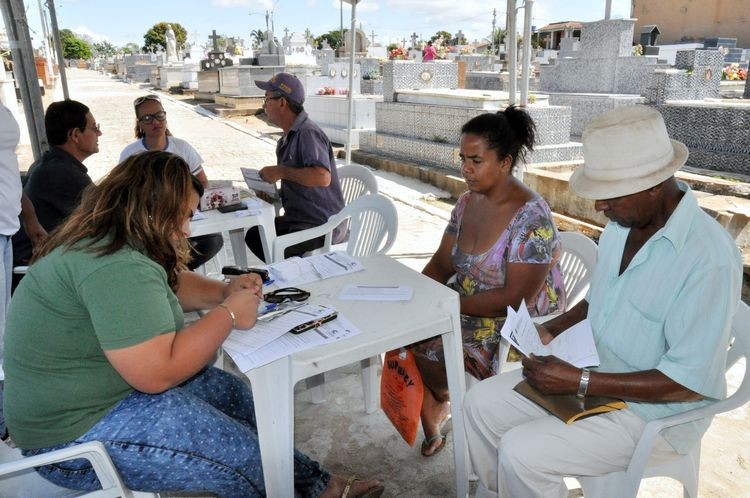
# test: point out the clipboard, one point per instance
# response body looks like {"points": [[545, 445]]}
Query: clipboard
{"points": [[313, 324]]}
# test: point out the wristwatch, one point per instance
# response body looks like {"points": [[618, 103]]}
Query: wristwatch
{"points": [[584, 384]]}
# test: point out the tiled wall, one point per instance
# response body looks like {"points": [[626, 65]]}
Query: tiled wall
{"points": [[586, 107], [372, 87], [607, 39], [697, 76], [399, 75], [747, 89], [717, 135], [331, 114]]}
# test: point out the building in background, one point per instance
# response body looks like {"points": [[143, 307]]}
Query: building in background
{"points": [[693, 20]]}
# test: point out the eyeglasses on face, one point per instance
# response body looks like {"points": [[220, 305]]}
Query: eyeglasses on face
{"points": [[149, 118], [286, 294], [97, 128], [141, 100]]}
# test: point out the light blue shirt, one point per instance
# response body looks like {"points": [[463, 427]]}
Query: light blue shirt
{"points": [[670, 310]]}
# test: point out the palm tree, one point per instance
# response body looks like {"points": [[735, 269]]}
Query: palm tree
{"points": [[257, 37]]}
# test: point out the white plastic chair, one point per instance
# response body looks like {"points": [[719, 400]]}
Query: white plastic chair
{"points": [[577, 264], [19, 479], [374, 224], [373, 227], [356, 181], [683, 468]]}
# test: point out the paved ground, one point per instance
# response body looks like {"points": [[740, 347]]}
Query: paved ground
{"points": [[338, 433]]}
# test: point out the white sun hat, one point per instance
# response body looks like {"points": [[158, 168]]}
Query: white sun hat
{"points": [[625, 151]]}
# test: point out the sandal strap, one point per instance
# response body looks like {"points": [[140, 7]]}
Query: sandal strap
{"points": [[348, 486]]}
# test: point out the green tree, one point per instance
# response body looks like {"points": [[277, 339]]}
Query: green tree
{"points": [[257, 37], [131, 48], [155, 38], [333, 38], [104, 49], [446, 36], [499, 37], [73, 47]]}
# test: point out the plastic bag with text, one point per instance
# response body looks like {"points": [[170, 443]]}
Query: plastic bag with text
{"points": [[401, 392]]}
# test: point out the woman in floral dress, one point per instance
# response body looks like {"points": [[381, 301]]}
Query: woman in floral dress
{"points": [[502, 247]]}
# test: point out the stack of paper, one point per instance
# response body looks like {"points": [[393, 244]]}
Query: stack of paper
{"points": [[574, 345], [297, 271], [248, 356]]}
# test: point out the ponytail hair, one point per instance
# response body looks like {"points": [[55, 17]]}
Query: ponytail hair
{"points": [[511, 132]]}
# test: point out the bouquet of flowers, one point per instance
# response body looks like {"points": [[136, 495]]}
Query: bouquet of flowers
{"points": [[734, 72], [397, 53], [467, 49], [326, 90]]}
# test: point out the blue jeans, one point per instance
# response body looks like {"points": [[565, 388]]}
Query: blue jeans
{"points": [[197, 437]]}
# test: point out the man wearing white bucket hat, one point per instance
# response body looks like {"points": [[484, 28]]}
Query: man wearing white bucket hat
{"points": [[664, 291]]}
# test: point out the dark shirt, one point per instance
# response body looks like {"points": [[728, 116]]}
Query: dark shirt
{"points": [[306, 146], [53, 185]]}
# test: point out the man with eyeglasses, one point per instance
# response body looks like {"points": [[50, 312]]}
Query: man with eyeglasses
{"points": [[310, 189], [55, 182]]}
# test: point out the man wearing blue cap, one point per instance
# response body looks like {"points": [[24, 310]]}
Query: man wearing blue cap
{"points": [[310, 189]]}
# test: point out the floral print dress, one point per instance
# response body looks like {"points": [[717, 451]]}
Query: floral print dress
{"points": [[531, 237]]}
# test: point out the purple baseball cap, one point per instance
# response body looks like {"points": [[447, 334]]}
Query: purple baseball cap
{"points": [[286, 84]]}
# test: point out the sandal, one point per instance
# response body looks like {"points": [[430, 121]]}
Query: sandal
{"points": [[428, 441], [373, 492]]}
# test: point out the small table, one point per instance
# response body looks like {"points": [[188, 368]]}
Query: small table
{"points": [[216, 221], [434, 310]]}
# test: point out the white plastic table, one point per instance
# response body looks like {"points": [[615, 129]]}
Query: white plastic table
{"points": [[434, 310], [216, 222]]}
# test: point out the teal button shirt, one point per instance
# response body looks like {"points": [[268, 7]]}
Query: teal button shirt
{"points": [[670, 310]]}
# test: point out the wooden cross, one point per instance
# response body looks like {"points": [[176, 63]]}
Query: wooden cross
{"points": [[372, 35]]}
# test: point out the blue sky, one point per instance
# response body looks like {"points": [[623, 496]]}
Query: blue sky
{"points": [[127, 21]]}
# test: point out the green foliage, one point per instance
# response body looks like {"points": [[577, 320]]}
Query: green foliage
{"points": [[131, 48], [333, 38], [391, 46], [73, 47], [257, 37], [104, 49], [445, 34], [155, 38]]}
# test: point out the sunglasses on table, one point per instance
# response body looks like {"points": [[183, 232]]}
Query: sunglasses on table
{"points": [[149, 118], [286, 294]]}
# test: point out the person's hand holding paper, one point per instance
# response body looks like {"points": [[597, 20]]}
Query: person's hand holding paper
{"points": [[550, 374], [575, 345]]}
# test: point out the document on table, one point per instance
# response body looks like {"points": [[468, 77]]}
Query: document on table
{"points": [[242, 342], [376, 293], [336, 330], [298, 271], [257, 184], [574, 345]]}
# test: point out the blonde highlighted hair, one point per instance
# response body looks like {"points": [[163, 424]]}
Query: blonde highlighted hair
{"points": [[141, 203]]}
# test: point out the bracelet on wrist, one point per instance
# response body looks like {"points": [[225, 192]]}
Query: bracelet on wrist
{"points": [[583, 385], [231, 314]]}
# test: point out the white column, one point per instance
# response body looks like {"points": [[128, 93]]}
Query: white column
{"points": [[510, 50], [608, 10], [526, 55], [350, 113]]}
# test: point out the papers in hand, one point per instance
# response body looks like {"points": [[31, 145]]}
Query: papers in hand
{"points": [[574, 345], [296, 271], [376, 293], [257, 184]]}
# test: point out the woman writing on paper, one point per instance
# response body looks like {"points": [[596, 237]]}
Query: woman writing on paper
{"points": [[97, 349], [502, 246], [152, 133]]}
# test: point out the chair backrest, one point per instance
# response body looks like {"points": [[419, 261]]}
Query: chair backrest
{"points": [[740, 348], [356, 181], [373, 225], [577, 265]]}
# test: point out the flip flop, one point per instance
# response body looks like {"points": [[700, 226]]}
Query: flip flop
{"points": [[429, 440], [373, 492]]}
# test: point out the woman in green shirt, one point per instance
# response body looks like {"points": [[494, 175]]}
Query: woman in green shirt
{"points": [[96, 347]]}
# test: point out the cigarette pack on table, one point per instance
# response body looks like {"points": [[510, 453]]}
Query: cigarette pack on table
{"points": [[219, 196]]}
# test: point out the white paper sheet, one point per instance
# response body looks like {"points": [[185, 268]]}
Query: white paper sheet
{"points": [[265, 331], [256, 183], [574, 345], [376, 293], [296, 271], [336, 330]]}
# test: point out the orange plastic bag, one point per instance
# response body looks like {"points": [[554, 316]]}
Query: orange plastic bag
{"points": [[401, 392]]}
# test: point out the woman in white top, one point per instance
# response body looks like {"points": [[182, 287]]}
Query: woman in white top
{"points": [[152, 133]]}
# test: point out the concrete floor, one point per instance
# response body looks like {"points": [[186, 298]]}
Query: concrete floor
{"points": [[338, 432]]}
